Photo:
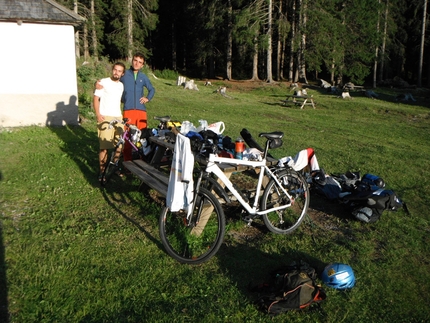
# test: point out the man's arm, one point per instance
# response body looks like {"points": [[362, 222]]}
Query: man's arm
{"points": [[150, 88], [96, 105]]}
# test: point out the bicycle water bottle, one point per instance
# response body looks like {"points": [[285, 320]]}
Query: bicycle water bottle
{"points": [[239, 148]]}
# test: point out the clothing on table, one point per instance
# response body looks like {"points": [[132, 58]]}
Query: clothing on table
{"points": [[181, 184], [303, 158]]}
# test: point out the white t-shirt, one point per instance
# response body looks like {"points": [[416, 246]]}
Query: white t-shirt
{"points": [[110, 97]]}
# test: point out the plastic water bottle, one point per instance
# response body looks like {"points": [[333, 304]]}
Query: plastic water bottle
{"points": [[239, 148]]}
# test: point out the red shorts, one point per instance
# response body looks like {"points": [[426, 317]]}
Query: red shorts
{"points": [[139, 119], [136, 117]]}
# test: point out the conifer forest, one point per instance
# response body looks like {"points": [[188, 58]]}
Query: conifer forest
{"points": [[360, 41]]}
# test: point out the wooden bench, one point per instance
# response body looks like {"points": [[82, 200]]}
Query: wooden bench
{"points": [[299, 100], [149, 175]]}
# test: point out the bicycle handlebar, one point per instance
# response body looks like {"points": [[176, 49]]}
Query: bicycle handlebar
{"points": [[124, 121]]}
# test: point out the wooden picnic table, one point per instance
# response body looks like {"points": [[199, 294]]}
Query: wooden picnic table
{"points": [[155, 173], [301, 100]]}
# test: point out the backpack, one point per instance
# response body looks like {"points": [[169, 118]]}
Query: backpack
{"points": [[291, 287], [367, 197], [329, 188], [368, 206]]}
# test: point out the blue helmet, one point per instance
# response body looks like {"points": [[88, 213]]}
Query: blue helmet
{"points": [[339, 276]]}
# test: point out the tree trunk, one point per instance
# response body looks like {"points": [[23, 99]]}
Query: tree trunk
{"points": [[333, 67], [86, 47], [269, 44], [130, 29], [281, 68], [279, 45], [375, 63], [229, 39], [94, 34], [292, 47], [174, 49], [384, 42], [423, 33], [77, 52], [302, 67], [255, 59]]}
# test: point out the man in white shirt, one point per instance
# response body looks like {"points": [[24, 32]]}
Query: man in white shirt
{"points": [[107, 106]]}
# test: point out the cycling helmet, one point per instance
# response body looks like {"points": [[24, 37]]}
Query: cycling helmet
{"points": [[375, 182], [338, 276]]}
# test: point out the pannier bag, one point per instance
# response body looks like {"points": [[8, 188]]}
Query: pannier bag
{"points": [[366, 196], [291, 287]]}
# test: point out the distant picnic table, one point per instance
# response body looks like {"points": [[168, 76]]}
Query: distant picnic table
{"points": [[301, 100], [353, 87]]}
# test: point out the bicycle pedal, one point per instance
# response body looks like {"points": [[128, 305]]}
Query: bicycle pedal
{"points": [[248, 219]]}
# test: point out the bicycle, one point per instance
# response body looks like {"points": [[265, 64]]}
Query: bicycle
{"points": [[196, 237], [141, 148], [131, 135]]}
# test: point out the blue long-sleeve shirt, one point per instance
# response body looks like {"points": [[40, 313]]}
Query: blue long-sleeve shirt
{"points": [[134, 90]]}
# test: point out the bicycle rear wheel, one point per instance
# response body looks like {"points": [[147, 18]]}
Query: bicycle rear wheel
{"points": [[287, 220], [199, 239]]}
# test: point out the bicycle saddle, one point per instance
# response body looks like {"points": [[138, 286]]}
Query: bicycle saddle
{"points": [[272, 135]]}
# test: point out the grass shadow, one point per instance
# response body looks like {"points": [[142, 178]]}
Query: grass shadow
{"points": [[81, 146], [117, 195], [4, 306], [246, 266]]}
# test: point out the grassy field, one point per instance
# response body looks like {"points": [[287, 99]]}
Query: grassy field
{"points": [[73, 252]]}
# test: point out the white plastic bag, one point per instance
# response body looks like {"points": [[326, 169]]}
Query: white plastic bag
{"points": [[217, 127], [185, 127], [203, 125]]}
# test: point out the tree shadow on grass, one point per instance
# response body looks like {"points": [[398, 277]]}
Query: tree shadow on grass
{"points": [[247, 266], [81, 146], [117, 195], [4, 306]]}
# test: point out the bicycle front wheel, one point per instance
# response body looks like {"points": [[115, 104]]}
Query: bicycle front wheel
{"points": [[287, 220], [198, 239], [111, 167]]}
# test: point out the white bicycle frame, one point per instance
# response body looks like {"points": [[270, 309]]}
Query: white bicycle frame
{"points": [[212, 167]]}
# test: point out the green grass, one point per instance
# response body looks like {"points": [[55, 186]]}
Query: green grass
{"points": [[72, 252]]}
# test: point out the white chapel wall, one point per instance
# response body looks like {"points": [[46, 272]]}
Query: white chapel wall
{"points": [[38, 83]]}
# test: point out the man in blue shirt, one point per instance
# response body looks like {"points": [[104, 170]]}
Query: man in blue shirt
{"points": [[134, 97]]}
